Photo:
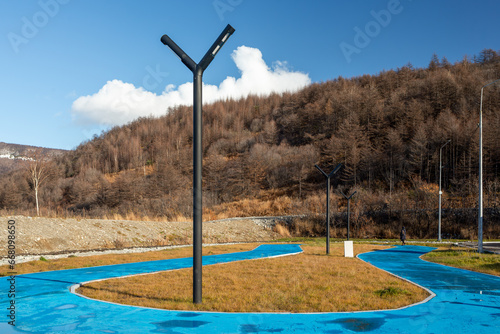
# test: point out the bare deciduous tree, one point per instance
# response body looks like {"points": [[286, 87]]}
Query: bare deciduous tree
{"points": [[39, 170]]}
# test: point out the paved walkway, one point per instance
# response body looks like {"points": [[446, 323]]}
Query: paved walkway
{"points": [[493, 247], [490, 246], [465, 302]]}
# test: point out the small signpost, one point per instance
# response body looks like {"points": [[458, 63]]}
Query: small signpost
{"points": [[348, 249]]}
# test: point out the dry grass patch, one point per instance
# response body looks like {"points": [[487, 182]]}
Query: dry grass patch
{"points": [[309, 282], [108, 259], [466, 259]]}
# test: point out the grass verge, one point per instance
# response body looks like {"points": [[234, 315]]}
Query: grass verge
{"points": [[466, 259], [308, 282]]}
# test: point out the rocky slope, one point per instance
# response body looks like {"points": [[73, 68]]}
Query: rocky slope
{"points": [[41, 236]]}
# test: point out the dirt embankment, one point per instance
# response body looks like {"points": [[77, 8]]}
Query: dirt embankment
{"points": [[38, 235]]}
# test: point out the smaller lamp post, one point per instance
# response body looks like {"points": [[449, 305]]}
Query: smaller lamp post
{"points": [[348, 198], [328, 176]]}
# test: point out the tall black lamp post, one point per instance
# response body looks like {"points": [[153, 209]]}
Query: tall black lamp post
{"points": [[328, 176], [348, 198], [198, 70], [480, 199], [440, 191]]}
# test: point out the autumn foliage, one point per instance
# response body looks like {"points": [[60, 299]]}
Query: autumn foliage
{"points": [[259, 155]]}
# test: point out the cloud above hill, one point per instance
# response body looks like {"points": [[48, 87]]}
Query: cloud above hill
{"points": [[118, 102]]}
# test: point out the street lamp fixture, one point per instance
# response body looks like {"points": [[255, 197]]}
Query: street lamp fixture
{"points": [[348, 198], [480, 200], [440, 192], [198, 70], [328, 176]]}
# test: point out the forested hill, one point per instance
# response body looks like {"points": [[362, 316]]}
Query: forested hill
{"points": [[14, 156], [386, 130], [13, 151]]}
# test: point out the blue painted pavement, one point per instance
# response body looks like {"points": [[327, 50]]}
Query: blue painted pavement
{"points": [[465, 302]]}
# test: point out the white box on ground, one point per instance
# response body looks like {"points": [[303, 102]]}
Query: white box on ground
{"points": [[348, 249]]}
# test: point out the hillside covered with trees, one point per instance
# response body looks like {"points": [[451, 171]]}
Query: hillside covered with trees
{"points": [[259, 155]]}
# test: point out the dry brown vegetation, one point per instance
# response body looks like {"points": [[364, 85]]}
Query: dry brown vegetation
{"points": [[309, 282], [259, 156]]}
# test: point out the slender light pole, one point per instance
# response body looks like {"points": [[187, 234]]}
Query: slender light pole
{"points": [[328, 176], [480, 218], [198, 70], [348, 210], [440, 192]]}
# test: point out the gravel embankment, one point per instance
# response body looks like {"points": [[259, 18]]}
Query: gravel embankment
{"points": [[36, 236]]}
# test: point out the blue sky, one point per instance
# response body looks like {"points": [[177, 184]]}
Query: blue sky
{"points": [[72, 68]]}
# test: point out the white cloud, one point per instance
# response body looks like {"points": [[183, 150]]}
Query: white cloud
{"points": [[118, 102]]}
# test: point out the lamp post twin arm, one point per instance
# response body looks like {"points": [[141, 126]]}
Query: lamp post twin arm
{"points": [[348, 198], [207, 58], [328, 177], [197, 70]]}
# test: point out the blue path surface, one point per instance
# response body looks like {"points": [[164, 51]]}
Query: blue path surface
{"points": [[465, 302]]}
